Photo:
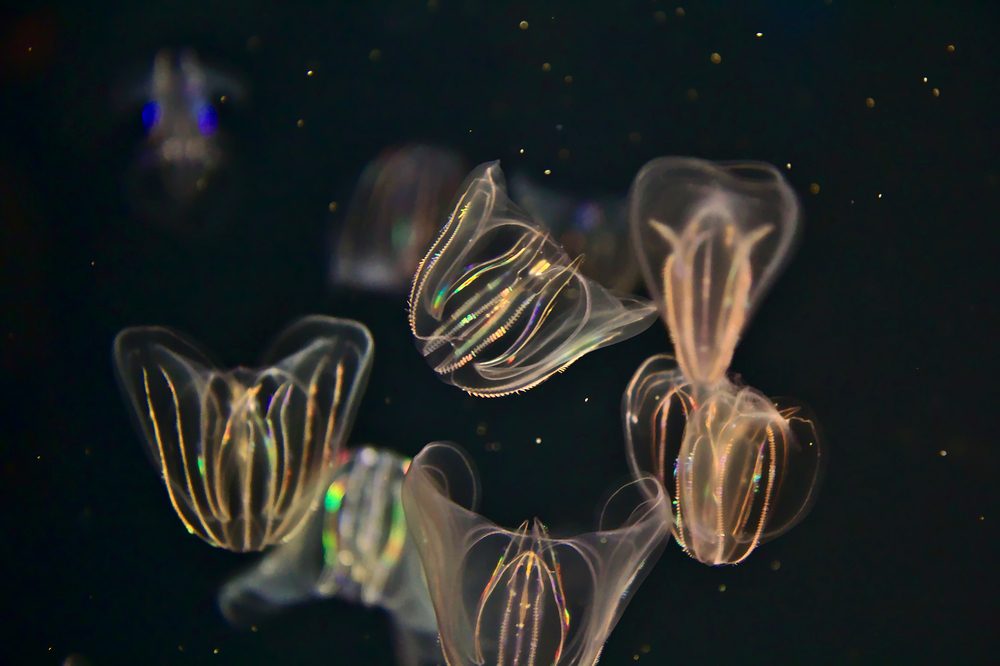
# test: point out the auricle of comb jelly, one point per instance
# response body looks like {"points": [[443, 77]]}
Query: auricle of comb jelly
{"points": [[740, 469], [710, 238], [523, 596], [245, 454], [355, 548], [497, 306]]}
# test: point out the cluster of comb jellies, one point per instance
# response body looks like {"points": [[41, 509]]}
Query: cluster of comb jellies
{"points": [[740, 467], [252, 459]]}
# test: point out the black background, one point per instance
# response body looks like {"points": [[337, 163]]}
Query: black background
{"points": [[884, 321]]}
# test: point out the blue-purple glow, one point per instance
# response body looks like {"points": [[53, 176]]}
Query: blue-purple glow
{"points": [[588, 216], [208, 119], [150, 115]]}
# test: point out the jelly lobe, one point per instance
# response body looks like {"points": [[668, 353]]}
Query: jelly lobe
{"points": [[522, 596], [740, 468], [497, 306], [394, 213], [354, 548], [711, 238], [245, 453], [367, 556]]}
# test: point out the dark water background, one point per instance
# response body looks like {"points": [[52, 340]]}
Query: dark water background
{"points": [[884, 322]]}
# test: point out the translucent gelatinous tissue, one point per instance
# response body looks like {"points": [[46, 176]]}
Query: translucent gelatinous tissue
{"points": [[739, 468], [522, 596], [354, 548], [710, 238], [184, 177], [245, 454], [497, 306], [397, 208]]}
